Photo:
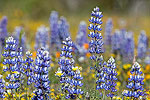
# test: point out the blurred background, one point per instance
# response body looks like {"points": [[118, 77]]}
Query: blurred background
{"points": [[131, 14]]}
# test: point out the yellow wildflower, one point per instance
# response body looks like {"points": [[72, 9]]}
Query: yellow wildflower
{"points": [[126, 66], [113, 55], [74, 68], [52, 64], [117, 98], [52, 95], [52, 90], [59, 73]]}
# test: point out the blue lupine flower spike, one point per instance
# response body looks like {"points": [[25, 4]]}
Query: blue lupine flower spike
{"points": [[42, 64], [10, 62], [108, 31], [111, 78], [42, 37], [70, 77], [2, 86], [135, 83]]}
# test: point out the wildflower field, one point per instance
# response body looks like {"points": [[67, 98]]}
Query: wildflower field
{"points": [[96, 57]]}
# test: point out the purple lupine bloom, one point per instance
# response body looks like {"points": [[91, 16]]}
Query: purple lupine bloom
{"points": [[63, 29], [108, 31], [41, 77], [28, 68], [122, 41], [142, 45], [2, 86], [19, 65], [135, 83], [3, 28], [3, 32], [96, 47], [81, 39], [128, 47], [111, 77], [10, 63], [70, 77], [20, 38], [96, 42], [116, 42], [101, 74], [42, 38], [54, 37]]}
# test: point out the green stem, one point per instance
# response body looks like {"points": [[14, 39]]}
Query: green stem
{"points": [[104, 95]]}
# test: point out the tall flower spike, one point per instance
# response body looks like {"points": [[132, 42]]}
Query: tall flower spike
{"points": [[54, 37], [2, 86], [96, 42], [42, 64], [28, 68], [20, 38], [63, 29], [69, 75], [108, 31], [115, 45], [3, 32], [81, 39], [42, 37], [111, 77], [142, 45], [135, 83], [20, 66], [96, 46], [123, 33], [10, 63], [128, 47]]}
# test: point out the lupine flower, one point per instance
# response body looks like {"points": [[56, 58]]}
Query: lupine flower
{"points": [[81, 39], [63, 29], [10, 64], [142, 45], [116, 42], [111, 77], [20, 66], [54, 37], [96, 45], [135, 83], [108, 31], [101, 74], [128, 47], [20, 38], [3, 32], [96, 42], [69, 75], [28, 71], [123, 35], [42, 37], [42, 64], [28, 68], [2, 85]]}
